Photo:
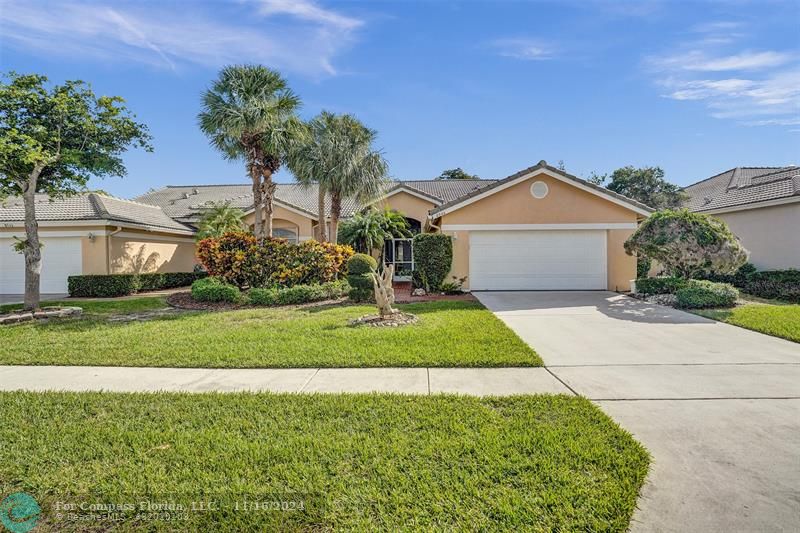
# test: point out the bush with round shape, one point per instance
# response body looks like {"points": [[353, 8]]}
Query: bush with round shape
{"points": [[214, 290], [361, 264], [433, 258], [359, 276], [688, 244], [700, 294], [660, 285]]}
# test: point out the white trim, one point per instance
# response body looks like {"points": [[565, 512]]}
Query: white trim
{"points": [[407, 190], [529, 175], [54, 234], [288, 208], [79, 223], [525, 227], [143, 237], [756, 205], [543, 184]]}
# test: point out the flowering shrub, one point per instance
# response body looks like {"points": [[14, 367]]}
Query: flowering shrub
{"points": [[238, 258]]}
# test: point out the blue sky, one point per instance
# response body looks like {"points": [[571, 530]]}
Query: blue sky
{"points": [[693, 87]]}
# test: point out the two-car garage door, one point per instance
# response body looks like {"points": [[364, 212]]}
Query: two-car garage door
{"points": [[537, 260], [61, 257]]}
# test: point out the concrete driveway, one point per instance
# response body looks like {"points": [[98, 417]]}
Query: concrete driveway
{"points": [[717, 406]]}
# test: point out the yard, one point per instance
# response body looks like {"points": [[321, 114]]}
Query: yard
{"points": [[447, 334], [363, 462], [765, 316]]}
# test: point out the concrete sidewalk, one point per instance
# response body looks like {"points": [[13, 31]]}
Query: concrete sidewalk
{"points": [[473, 381]]}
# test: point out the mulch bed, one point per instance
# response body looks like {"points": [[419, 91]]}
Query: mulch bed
{"points": [[183, 300]]}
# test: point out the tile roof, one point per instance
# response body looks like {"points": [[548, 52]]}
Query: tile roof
{"points": [[186, 202], [542, 165], [92, 206], [742, 186]]}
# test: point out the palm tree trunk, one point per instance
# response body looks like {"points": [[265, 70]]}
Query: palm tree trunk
{"points": [[269, 194], [323, 233], [32, 251], [336, 211], [255, 176]]}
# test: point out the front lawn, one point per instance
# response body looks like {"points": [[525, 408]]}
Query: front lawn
{"points": [[352, 462], [447, 334], [778, 320]]}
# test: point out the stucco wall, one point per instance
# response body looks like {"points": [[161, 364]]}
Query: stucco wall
{"points": [[409, 205], [284, 218], [564, 204], [771, 234], [144, 252]]}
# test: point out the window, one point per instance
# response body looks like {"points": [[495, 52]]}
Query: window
{"points": [[285, 233], [539, 190]]}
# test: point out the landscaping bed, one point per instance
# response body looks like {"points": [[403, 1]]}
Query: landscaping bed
{"points": [[446, 334], [184, 300], [344, 462]]}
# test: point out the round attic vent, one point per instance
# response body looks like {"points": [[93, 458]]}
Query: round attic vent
{"points": [[539, 189]]}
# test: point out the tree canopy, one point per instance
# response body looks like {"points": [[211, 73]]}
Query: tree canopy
{"points": [[646, 185], [218, 220], [457, 174], [688, 244], [368, 231]]}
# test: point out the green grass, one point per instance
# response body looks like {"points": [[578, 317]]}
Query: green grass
{"points": [[102, 308], [778, 319], [447, 334], [357, 462]]}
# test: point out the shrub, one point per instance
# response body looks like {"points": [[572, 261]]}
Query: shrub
{"points": [[687, 243], [643, 264], [779, 284], [433, 257], [359, 276], [698, 294], [101, 286], [298, 294], [214, 290], [239, 259], [737, 279], [661, 285], [361, 264], [111, 285]]}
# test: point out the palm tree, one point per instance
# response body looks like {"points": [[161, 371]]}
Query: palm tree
{"points": [[368, 230], [250, 113], [220, 219], [339, 157]]}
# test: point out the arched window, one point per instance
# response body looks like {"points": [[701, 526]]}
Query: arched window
{"points": [[285, 233]]}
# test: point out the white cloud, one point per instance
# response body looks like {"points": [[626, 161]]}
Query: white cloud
{"points": [[522, 48], [697, 60], [171, 38]]}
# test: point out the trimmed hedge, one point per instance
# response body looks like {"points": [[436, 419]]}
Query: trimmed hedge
{"points": [[299, 294], [778, 284], [112, 285], [698, 294], [661, 285], [433, 257], [738, 279], [359, 276], [214, 290]]}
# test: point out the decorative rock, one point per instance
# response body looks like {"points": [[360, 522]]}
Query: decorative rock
{"points": [[388, 321], [419, 291], [42, 314]]}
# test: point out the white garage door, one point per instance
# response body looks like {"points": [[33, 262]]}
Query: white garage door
{"points": [[61, 257], [537, 260]]}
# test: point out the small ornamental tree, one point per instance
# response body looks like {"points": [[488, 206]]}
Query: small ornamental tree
{"points": [[52, 140], [687, 243]]}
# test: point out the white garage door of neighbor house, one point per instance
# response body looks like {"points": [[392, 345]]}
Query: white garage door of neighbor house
{"points": [[537, 260], [61, 257]]}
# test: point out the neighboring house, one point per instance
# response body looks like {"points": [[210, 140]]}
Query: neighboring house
{"points": [[538, 229], [761, 205], [92, 234]]}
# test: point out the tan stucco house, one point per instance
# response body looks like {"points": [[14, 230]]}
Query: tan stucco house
{"points": [[538, 229], [761, 205]]}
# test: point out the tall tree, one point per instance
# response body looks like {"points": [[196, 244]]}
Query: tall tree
{"points": [[646, 184], [457, 174], [52, 140], [220, 219], [249, 113], [340, 158]]}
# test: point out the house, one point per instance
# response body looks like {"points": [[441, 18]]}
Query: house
{"points": [[761, 205], [538, 229], [92, 234]]}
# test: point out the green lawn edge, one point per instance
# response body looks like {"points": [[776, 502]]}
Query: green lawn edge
{"points": [[774, 318], [364, 462]]}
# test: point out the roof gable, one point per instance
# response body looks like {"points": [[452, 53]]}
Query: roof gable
{"points": [[741, 187], [541, 168]]}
